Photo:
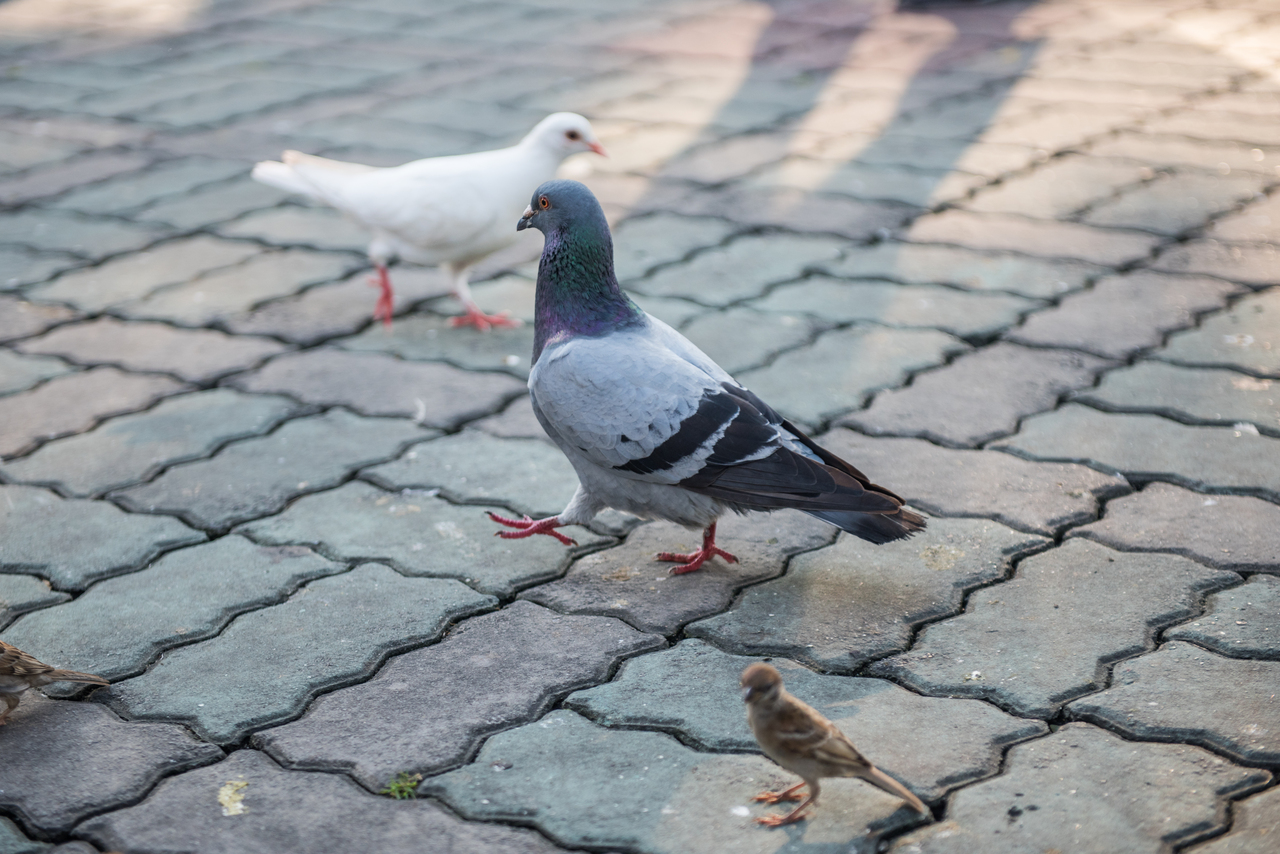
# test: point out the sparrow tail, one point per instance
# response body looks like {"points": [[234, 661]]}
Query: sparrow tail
{"points": [[881, 780], [74, 676]]}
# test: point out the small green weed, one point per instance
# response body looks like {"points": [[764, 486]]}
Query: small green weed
{"points": [[405, 785]]}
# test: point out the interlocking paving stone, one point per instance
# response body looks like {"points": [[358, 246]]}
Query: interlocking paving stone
{"points": [[1243, 622], [20, 319], [433, 338], [120, 625], [22, 593], [642, 244], [1182, 693], [498, 670], [418, 534], [333, 632], [1045, 637], [1188, 394], [517, 421], [584, 785], [921, 187], [1148, 447], [19, 373], [627, 582], [839, 607], [740, 270], [75, 402], [257, 477], [211, 205], [172, 178], [1174, 203], [135, 276], [1252, 264], [1258, 222], [941, 406], [195, 355], [1226, 531], [73, 542], [290, 225], [1159, 150], [235, 290], [741, 338], [60, 177], [1033, 236], [61, 762], [1243, 337], [954, 311], [798, 210], [842, 368], [132, 447], [374, 384], [1255, 821], [528, 475], [692, 689], [1059, 188], [924, 264], [1041, 498], [85, 236], [293, 812], [1084, 789], [14, 841], [1123, 314], [327, 311]]}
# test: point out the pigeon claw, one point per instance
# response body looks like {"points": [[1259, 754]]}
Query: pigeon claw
{"points": [[527, 527], [694, 560], [483, 322]]}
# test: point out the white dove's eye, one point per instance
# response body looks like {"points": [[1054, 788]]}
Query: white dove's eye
{"points": [[543, 203], [573, 135]]}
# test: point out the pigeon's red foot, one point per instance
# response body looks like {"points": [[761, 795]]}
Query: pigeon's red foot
{"points": [[792, 794], [694, 560], [477, 318], [528, 527], [385, 307]]}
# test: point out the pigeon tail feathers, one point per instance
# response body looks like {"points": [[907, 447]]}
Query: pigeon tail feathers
{"points": [[872, 527]]}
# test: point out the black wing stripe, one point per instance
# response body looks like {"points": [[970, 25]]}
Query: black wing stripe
{"points": [[714, 411]]}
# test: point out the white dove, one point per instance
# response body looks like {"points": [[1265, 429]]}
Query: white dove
{"points": [[451, 211]]}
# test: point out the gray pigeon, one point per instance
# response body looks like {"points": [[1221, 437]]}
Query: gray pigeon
{"points": [[651, 425]]}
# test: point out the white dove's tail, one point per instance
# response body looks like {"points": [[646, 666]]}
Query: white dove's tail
{"points": [[279, 175], [317, 177]]}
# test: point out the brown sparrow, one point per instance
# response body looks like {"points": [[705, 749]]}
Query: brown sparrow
{"points": [[800, 739], [19, 671]]}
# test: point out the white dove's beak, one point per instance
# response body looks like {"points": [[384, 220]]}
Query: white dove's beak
{"points": [[597, 148], [525, 218]]}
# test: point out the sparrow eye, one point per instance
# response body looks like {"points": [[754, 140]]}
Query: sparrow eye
{"points": [[574, 135], [543, 203]]}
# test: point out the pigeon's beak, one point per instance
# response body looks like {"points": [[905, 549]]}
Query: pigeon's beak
{"points": [[525, 219], [597, 148]]}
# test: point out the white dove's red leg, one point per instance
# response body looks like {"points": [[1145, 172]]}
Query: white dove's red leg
{"points": [[785, 795], [386, 299], [693, 560], [527, 527], [474, 316]]}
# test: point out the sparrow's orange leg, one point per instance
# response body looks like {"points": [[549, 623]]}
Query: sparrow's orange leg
{"points": [[693, 560], [528, 527], [789, 818], [386, 300], [784, 795]]}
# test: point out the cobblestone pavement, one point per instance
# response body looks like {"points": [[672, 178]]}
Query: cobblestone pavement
{"points": [[1016, 260]]}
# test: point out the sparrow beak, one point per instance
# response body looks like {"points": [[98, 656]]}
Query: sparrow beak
{"points": [[746, 694], [598, 149], [525, 219]]}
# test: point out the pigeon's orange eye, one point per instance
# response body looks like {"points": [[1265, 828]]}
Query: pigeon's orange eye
{"points": [[543, 203], [574, 135]]}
